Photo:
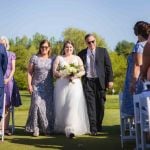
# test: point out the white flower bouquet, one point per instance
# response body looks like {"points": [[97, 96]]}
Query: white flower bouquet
{"points": [[69, 70]]}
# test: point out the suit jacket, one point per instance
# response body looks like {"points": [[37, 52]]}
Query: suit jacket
{"points": [[103, 66], [3, 64]]}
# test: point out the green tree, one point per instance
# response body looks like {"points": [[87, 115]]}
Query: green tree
{"points": [[57, 47], [119, 64], [37, 38], [77, 36], [25, 48], [124, 48], [22, 59]]}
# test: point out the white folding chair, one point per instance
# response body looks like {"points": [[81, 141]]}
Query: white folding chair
{"points": [[126, 125], [146, 85], [136, 102], [2, 133], [145, 119]]}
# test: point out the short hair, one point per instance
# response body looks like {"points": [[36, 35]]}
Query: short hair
{"points": [[141, 28], [6, 40], [88, 35]]}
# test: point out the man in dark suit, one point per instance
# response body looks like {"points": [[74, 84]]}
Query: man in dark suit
{"points": [[98, 77], [3, 67]]}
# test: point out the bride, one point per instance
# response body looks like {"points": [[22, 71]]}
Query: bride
{"points": [[70, 106]]}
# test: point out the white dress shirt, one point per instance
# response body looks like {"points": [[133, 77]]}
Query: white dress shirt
{"points": [[88, 74]]}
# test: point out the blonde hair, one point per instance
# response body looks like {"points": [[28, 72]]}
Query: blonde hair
{"points": [[6, 41]]}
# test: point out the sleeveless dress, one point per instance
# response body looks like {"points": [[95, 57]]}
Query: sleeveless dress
{"points": [[41, 113], [70, 105], [127, 99]]}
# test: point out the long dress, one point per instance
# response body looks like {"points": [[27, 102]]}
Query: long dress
{"points": [[70, 105], [41, 113], [9, 86], [127, 99]]}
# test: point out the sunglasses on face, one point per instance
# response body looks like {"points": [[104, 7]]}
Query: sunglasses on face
{"points": [[44, 47], [89, 42]]}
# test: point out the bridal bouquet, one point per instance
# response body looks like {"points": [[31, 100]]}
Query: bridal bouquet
{"points": [[70, 70]]}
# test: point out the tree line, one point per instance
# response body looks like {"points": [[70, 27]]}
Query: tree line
{"points": [[25, 47]]}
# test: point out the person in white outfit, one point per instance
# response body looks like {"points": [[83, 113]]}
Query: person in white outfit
{"points": [[71, 115]]}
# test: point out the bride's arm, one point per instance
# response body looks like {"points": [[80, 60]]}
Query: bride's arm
{"points": [[81, 71], [56, 73]]}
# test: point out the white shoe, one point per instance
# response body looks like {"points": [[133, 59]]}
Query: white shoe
{"points": [[36, 132]]}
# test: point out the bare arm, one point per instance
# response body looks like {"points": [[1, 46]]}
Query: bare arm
{"points": [[30, 73], [82, 71], [146, 60], [56, 73], [137, 65], [136, 70]]}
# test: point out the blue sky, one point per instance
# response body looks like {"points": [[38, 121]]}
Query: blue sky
{"points": [[111, 19]]}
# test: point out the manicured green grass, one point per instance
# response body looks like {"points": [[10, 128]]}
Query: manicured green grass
{"points": [[109, 139]]}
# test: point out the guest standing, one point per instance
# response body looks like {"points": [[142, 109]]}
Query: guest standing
{"points": [[3, 67], [140, 30], [8, 81], [132, 82], [40, 86]]}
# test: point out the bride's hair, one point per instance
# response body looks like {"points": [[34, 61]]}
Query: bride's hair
{"points": [[64, 45]]}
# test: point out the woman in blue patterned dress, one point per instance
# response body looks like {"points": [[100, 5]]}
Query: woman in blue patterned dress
{"points": [[132, 82], [40, 85], [127, 99]]}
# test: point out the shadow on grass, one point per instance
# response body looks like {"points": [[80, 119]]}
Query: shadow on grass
{"points": [[25, 95], [109, 139]]}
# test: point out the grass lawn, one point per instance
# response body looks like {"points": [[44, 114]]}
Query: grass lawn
{"points": [[109, 139]]}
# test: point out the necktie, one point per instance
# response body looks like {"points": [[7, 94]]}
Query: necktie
{"points": [[92, 70]]}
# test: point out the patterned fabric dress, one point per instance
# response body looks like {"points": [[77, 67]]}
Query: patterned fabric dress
{"points": [[41, 113], [9, 86], [127, 99]]}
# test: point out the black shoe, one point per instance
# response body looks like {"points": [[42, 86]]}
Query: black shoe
{"points": [[93, 134], [71, 135], [99, 129]]}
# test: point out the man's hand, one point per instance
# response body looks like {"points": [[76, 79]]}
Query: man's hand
{"points": [[110, 85]]}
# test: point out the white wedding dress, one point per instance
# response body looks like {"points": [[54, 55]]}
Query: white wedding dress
{"points": [[70, 105]]}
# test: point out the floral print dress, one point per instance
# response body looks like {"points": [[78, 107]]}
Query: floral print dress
{"points": [[41, 113]]}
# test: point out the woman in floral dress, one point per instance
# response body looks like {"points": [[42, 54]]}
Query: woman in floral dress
{"points": [[40, 85]]}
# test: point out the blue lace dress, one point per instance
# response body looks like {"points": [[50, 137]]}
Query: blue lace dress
{"points": [[127, 99], [41, 113]]}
